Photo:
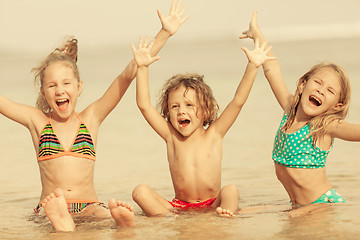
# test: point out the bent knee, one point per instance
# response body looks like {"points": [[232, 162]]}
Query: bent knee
{"points": [[140, 191], [231, 189]]}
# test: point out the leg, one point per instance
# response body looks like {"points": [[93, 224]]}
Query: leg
{"points": [[121, 212], [56, 210], [150, 202], [228, 201]]}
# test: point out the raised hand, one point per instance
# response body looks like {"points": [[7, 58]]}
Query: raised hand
{"points": [[259, 55], [253, 30], [172, 23], [142, 55]]}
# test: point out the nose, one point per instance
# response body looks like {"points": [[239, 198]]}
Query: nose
{"points": [[59, 90], [320, 90], [181, 110]]}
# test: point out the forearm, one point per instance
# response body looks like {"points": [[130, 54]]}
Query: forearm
{"points": [[142, 88], [246, 83], [160, 40]]}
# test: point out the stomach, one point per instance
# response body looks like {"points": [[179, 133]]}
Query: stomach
{"points": [[303, 186], [75, 176]]}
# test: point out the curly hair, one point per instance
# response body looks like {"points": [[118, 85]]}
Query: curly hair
{"points": [[68, 55], [203, 92], [320, 124]]}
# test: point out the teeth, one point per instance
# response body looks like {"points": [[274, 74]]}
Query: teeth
{"points": [[318, 100], [63, 100]]}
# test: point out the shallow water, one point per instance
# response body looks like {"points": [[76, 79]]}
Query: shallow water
{"points": [[130, 153]]}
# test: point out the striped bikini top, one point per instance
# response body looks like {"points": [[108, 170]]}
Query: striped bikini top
{"points": [[50, 146]]}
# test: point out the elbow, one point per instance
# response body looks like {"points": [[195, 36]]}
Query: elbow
{"points": [[142, 106], [238, 103]]}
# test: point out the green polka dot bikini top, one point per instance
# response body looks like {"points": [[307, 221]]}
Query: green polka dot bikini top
{"points": [[298, 150]]}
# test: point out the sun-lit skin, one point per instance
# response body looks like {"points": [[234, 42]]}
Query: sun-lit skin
{"points": [[61, 89], [194, 153], [70, 177], [319, 94], [320, 98], [185, 113]]}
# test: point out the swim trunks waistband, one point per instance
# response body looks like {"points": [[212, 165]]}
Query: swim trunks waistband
{"points": [[176, 203]]}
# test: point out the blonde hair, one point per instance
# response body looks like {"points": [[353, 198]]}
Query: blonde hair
{"points": [[320, 124], [67, 55], [203, 92]]}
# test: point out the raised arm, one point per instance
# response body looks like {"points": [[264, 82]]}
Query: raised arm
{"points": [[170, 25], [272, 69], [143, 59], [256, 58]]}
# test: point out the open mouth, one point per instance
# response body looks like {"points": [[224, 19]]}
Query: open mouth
{"points": [[315, 101], [62, 104], [184, 123]]}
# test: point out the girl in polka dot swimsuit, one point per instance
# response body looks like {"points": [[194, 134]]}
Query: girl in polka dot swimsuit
{"points": [[313, 117]]}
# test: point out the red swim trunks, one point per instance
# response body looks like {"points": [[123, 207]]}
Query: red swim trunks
{"points": [[176, 203]]}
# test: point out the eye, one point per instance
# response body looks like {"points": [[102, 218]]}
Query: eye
{"points": [[174, 106], [331, 91], [317, 81]]}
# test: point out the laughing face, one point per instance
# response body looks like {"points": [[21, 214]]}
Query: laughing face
{"points": [[320, 93], [186, 115], [61, 89]]}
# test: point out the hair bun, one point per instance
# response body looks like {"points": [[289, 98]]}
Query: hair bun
{"points": [[71, 49]]}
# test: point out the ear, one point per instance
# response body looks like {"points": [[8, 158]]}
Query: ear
{"points": [[338, 106], [80, 87], [42, 92], [301, 87]]}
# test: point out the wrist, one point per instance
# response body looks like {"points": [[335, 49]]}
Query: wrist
{"points": [[166, 32], [253, 65]]}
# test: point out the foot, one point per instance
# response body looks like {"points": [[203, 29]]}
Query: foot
{"points": [[222, 212], [122, 213], [56, 210]]}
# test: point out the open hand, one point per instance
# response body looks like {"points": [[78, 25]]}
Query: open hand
{"points": [[259, 54], [142, 55], [172, 23]]}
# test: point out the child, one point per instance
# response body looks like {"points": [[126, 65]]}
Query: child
{"points": [[313, 117], [65, 140], [193, 134]]}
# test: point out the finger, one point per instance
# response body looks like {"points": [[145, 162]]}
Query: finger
{"points": [[178, 6], [254, 17], [268, 49], [140, 42], [155, 59], [246, 50], [133, 48], [184, 20], [145, 45], [160, 15], [271, 58], [183, 11], [172, 8], [263, 45]]}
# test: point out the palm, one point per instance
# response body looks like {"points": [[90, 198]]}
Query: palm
{"points": [[143, 57], [259, 54], [172, 23]]}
